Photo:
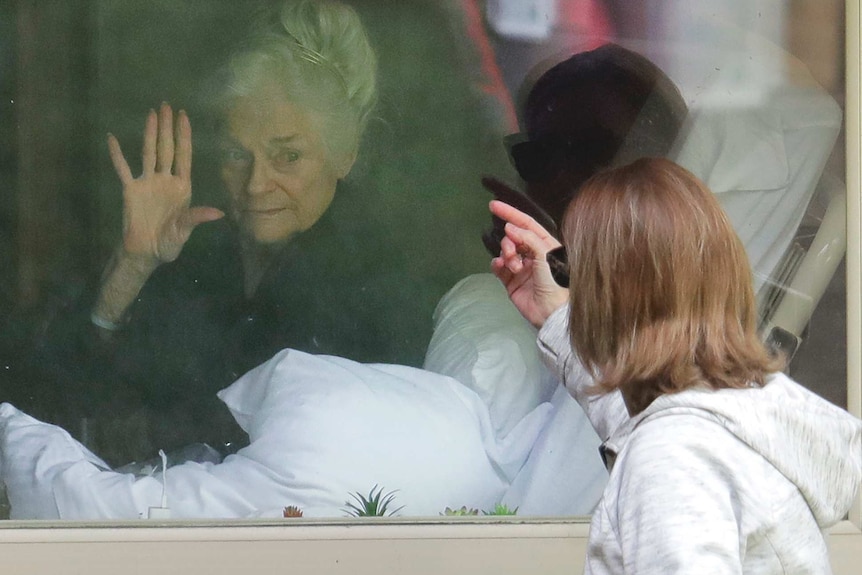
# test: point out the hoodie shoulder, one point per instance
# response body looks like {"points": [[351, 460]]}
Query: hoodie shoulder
{"points": [[687, 496], [816, 445]]}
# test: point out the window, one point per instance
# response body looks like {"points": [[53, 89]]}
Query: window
{"points": [[765, 79]]}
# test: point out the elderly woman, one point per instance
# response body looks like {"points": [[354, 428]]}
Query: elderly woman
{"points": [[179, 316], [718, 462], [294, 104]]}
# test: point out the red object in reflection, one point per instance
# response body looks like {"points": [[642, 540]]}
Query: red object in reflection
{"points": [[493, 84], [587, 22]]}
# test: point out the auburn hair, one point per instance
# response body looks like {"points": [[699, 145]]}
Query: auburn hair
{"points": [[661, 289]]}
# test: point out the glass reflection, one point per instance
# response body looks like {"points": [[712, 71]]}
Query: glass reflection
{"points": [[358, 271]]}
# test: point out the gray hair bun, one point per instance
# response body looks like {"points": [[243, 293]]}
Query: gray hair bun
{"points": [[330, 34]]}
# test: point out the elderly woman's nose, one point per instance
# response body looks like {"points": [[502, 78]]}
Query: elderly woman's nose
{"points": [[260, 179]]}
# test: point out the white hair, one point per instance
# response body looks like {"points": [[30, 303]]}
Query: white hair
{"points": [[318, 53]]}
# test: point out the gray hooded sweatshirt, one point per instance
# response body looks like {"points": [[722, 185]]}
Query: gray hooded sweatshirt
{"points": [[704, 481]]}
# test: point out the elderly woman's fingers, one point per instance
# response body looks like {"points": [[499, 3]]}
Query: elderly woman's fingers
{"points": [[183, 160], [514, 216], [199, 215], [191, 218], [121, 166], [148, 153], [165, 143]]}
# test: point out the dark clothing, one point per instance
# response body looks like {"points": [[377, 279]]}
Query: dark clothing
{"points": [[192, 332]]}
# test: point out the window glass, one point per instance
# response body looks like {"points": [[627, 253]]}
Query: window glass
{"points": [[288, 203]]}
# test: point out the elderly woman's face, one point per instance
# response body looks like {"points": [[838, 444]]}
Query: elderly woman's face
{"points": [[275, 167]]}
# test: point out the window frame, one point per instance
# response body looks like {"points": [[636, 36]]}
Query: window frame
{"points": [[439, 545]]}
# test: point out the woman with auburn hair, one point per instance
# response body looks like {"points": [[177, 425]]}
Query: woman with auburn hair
{"points": [[663, 324], [718, 462]]}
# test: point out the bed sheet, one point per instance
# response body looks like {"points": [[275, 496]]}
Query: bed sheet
{"points": [[481, 340], [320, 428]]}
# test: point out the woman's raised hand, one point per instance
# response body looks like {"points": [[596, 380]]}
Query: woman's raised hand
{"points": [[157, 217], [522, 265]]}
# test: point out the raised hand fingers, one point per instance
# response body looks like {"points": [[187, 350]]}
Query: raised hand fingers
{"points": [[121, 166], [520, 201], [511, 254], [165, 143], [499, 269], [148, 153], [183, 167], [164, 149], [514, 216], [525, 243]]}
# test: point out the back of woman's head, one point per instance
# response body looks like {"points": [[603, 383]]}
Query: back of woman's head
{"points": [[318, 53], [661, 290]]}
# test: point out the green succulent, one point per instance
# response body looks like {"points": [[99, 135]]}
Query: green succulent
{"points": [[460, 512], [375, 504], [501, 509]]}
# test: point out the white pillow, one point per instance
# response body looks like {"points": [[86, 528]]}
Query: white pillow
{"points": [[329, 427], [321, 428], [482, 340]]}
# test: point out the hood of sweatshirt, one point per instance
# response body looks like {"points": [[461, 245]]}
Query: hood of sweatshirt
{"points": [[813, 443]]}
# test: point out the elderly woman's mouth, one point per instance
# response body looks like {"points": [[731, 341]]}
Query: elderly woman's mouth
{"points": [[260, 212]]}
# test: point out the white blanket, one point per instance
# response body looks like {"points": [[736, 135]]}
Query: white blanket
{"points": [[321, 428], [481, 340]]}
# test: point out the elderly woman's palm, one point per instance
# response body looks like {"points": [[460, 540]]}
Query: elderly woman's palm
{"points": [[157, 216]]}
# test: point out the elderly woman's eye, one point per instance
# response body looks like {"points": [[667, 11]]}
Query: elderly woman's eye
{"points": [[235, 157], [284, 158]]}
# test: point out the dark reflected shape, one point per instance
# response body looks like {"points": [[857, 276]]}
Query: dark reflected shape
{"points": [[599, 108], [515, 198], [558, 260]]}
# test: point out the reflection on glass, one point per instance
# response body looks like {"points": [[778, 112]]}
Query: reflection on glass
{"points": [[339, 169]]}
